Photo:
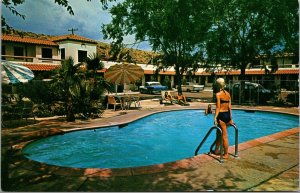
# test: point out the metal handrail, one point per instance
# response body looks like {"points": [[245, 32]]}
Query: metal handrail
{"points": [[206, 136], [236, 141], [221, 146], [236, 145]]}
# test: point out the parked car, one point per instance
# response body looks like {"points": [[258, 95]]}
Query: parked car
{"points": [[191, 86], [152, 88], [254, 92]]}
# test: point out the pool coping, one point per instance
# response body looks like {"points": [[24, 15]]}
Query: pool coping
{"points": [[20, 160], [112, 124]]}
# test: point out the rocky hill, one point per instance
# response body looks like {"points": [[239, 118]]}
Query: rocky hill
{"points": [[138, 56]]}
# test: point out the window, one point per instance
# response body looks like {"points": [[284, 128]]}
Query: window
{"points": [[46, 53], [18, 51], [82, 55], [62, 54], [3, 52]]}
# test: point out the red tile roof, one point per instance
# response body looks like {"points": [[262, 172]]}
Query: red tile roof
{"points": [[252, 72], [145, 72], [287, 71], [49, 42], [234, 72], [149, 71], [161, 72], [167, 73], [29, 40], [41, 67], [73, 37], [102, 70]]}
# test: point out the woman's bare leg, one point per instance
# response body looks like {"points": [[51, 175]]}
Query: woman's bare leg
{"points": [[218, 142], [225, 138]]}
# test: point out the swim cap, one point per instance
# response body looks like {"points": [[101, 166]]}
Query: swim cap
{"points": [[221, 82]]}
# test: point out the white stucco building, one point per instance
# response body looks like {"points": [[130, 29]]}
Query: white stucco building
{"points": [[46, 54]]}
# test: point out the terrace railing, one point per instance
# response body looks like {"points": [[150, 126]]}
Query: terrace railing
{"points": [[30, 59]]}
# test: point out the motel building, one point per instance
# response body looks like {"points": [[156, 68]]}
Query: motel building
{"points": [[42, 55]]}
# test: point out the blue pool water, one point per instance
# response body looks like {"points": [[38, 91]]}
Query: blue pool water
{"points": [[158, 138]]}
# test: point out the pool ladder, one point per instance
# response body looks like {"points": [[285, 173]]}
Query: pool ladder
{"points": [[221, 146]]}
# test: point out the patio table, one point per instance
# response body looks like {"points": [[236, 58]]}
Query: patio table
{"points": [[127, 98]]}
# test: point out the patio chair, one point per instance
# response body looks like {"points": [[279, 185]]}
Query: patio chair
{"points": [[111, 100], [23, 109], [127, 100], [136, 101], [27, 110]]}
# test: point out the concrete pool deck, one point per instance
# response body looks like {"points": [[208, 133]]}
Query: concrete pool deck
{"points": [[269, 163]]}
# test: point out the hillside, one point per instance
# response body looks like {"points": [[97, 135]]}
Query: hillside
{"points": [[139, 56]]}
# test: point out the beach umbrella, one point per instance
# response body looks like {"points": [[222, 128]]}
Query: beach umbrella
{"points": [[12, 73], [123, 73]]}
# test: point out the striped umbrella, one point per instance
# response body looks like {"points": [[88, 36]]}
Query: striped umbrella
{"points": [[123, 73], [13, 73]]}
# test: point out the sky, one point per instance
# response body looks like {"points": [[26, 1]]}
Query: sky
{"points": [[47, 17]]}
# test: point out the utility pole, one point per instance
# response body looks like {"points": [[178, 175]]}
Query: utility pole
{"points": [[72, 30]]}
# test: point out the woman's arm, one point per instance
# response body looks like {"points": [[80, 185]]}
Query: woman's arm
{"points": [[217, 108], [230, 110]]}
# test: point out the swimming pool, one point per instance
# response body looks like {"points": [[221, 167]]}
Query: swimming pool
{"points": [[159, 138]]}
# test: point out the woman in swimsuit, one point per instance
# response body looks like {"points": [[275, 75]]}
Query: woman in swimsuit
{"points": [[168, 97], [208, 110], [223, 115], [181, 99]]}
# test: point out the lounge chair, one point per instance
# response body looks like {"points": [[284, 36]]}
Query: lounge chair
{"points": [[166, 97], [181, 100]]}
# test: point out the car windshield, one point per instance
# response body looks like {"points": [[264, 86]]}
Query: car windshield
{"points": [[249, 85], [155, 83], [260, 87]]}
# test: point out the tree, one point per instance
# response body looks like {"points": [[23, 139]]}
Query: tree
{"points": [[286, 24], [244, 30], [99, 84], [79, 87], [173, 28], [66, 83]]}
